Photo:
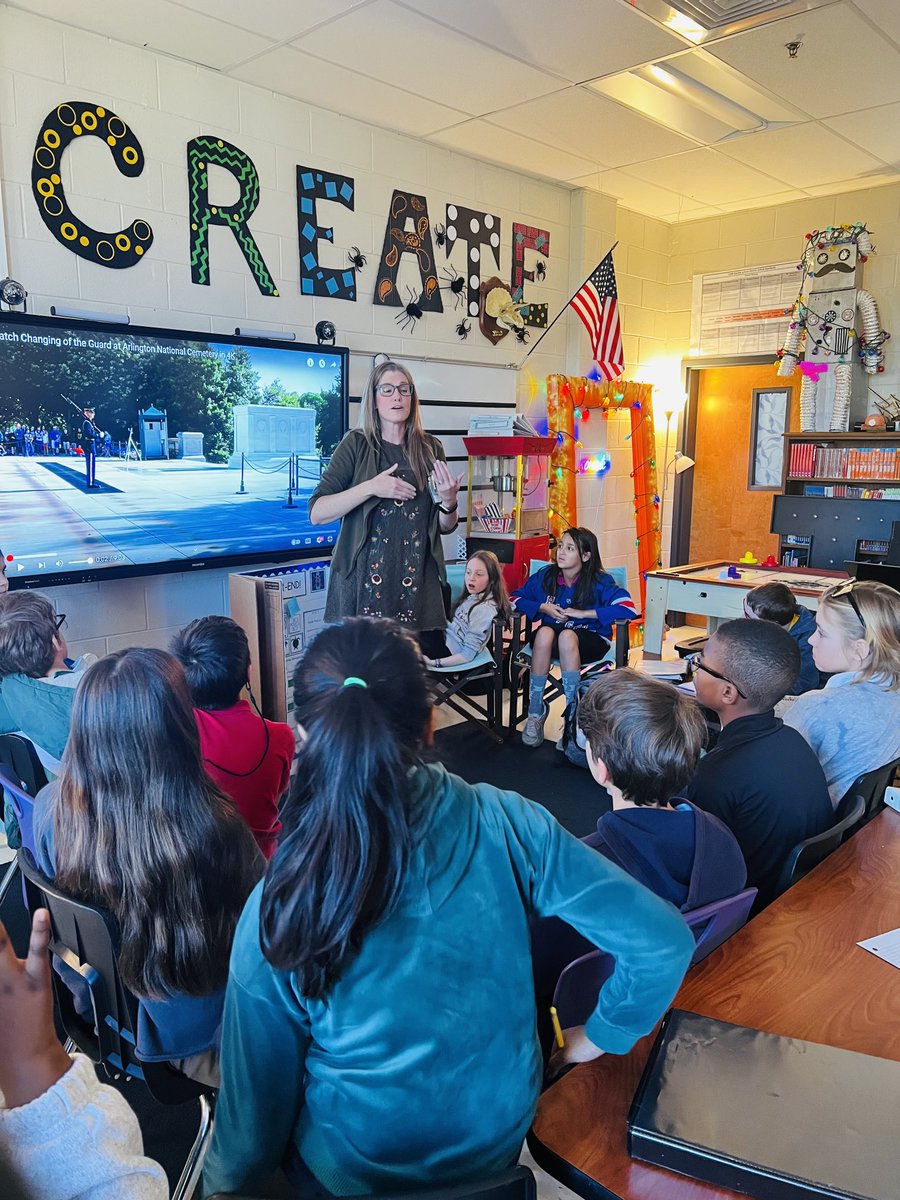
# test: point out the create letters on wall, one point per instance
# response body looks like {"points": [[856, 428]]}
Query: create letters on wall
{"points": [[313, 185], [408, 231], [64, 125]]}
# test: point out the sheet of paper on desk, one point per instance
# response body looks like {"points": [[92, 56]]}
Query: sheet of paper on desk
{"points": [[885, 946]]}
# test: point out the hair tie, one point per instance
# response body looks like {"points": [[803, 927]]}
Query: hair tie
{"points": [[354, 681]]}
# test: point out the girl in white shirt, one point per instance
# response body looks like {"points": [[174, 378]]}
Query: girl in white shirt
{"points": [[484, 597]]}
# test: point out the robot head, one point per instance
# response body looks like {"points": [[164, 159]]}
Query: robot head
{"points": [[832, 256]]}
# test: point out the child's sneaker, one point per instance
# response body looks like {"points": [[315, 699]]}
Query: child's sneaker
{"points": [[533, 732]]}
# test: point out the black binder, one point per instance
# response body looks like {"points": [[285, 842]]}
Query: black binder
{"points": [[772, 1117]]}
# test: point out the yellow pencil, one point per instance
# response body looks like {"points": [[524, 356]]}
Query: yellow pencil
{"points": [[557, 1028]]}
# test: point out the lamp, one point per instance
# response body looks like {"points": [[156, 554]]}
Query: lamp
{"points": [[682, 462], [13, 294]]}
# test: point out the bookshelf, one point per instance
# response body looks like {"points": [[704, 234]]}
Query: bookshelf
{"points": [[841, 496]]}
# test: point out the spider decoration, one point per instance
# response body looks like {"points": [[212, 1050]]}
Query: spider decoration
{"points": [[455, 284], [522, 336], [540, 269], [357, 258], [463, 329], [440, 235], [411, 314]]}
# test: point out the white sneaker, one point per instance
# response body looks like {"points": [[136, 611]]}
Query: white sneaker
{"points": [[533, 732]]}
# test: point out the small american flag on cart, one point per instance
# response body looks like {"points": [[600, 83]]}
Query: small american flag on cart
{"points": [[597, 304]]}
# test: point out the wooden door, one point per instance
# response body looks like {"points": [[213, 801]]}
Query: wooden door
{"points": [[727, 518]]}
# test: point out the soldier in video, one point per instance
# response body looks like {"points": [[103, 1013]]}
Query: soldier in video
{"points": [[90, 436]]}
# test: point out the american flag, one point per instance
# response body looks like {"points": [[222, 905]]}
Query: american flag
{"points": [[597, 304]]}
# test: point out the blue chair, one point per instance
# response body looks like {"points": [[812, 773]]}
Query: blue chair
{"points": [[87, 940], [579, 984], [520, 653]]}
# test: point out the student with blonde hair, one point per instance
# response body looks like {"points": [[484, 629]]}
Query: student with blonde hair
{"points": [[853, 724]]}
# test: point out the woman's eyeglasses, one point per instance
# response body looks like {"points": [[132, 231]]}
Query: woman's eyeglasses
{"points": [[388, 389], [845, 591], [696, 663]]}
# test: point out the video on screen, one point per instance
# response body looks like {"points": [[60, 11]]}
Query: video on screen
{"points": [[199, 449]]}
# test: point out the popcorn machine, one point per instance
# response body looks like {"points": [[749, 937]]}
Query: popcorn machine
{"points": [[508, 501]]}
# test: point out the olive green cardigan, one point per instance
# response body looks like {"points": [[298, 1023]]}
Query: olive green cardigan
{"points": [[356, 461]]}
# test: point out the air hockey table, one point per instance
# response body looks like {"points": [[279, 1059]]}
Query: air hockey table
{"points": [[705, 589]]}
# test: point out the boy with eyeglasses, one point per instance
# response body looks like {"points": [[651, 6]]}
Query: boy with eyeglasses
{"points": [[762, 779], [37, 677]]}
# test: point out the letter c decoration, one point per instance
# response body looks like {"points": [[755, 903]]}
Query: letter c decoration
{"points": [[61, 127]]}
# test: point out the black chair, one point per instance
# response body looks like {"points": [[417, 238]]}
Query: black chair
{"points": [[812, 851], [453, 685], [515, 1184], [87, 940], [21, 774], [871, 787]]}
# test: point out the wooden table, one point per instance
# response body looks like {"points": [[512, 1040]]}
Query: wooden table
{"points": [[795, 970], [699, 588]]}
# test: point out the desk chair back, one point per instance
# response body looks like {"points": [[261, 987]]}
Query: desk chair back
{"points": [[871, 787], [712, 924], [474, 690], [812, 851], [515, 1184], [86, 939]]}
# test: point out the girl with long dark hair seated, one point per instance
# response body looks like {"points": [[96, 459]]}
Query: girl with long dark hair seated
{"points": [[135, 825], [379, 1024]]}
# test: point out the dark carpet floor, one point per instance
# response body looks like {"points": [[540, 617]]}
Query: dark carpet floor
{"points": [[542, 774]]}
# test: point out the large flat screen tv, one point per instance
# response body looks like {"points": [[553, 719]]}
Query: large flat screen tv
{"points": [[209, 448]]}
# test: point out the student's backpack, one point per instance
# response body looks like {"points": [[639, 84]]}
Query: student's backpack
{"points": [[569, 740], [20, 764]]}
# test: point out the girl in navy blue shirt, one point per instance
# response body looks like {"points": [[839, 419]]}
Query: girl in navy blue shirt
{"points": [[577, 603]]}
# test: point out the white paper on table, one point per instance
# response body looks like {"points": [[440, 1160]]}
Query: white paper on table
{"points": [[886, 946]]}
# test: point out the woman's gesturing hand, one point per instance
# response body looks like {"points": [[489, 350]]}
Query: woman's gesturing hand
{"points": [[387, 485], [446, 483]]}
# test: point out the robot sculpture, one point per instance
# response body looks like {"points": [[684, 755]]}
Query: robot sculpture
{"points": [[822, 336]]}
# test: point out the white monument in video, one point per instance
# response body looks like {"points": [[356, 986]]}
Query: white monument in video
{"points": [[267, 432]]}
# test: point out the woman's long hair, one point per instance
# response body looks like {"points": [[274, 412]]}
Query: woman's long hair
{"points": [[879, 607], [496, 588], [361, 696], [591, 570], [140, 828], [415, 443]]}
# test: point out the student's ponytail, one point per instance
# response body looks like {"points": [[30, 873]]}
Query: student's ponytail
{"points": [[360, 694]]}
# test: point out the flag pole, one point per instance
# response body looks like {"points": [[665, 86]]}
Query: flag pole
{"points": [[565, 306]]}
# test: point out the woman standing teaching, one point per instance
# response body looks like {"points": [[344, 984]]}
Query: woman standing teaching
{"points": [[389, 483]]}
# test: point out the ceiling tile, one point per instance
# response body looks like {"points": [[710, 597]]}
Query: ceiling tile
{"points": [[293, 73], [803, 157], [159, 25], [393, 44], [826, 77], [885, 14], [705, 176], [592, 126], [578, 39], [633, 193], [485, 140], [281, 20], [874, 129]]}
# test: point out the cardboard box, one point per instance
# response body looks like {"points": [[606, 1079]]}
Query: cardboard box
{"points": [[280, 610]]}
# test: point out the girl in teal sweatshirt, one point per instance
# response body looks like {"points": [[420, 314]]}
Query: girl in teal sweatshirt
{"points": [[379, 1027]]}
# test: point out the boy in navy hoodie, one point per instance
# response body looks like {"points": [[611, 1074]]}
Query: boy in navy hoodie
{"points": [[643, 740], [776, 602]]}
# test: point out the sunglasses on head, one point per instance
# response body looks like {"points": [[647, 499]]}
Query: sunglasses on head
{"points": [[696, 663], [845, 591]]}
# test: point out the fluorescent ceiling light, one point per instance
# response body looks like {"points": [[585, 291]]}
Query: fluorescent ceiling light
{"points": [[698, 96]]}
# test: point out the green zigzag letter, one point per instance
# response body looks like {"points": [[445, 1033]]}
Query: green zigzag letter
{"points": [[202, 151]]}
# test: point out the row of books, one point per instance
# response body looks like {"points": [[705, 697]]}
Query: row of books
{"points": [[851, 493], [809, 461]]}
